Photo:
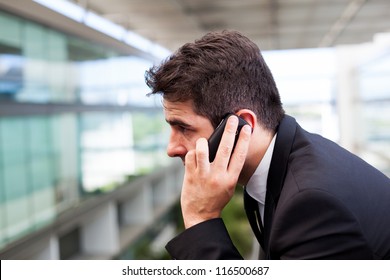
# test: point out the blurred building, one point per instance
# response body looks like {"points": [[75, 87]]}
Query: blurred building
{"points": [[83, 169]]}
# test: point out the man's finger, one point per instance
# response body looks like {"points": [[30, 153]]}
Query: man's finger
{"points": [[190, 160], [202, 156], [226, 145], [240, 152]]}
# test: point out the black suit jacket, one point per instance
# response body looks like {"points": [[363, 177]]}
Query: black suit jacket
{"points": [[322, 202]]}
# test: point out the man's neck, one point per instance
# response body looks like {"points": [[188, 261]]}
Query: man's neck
{"points": [[260, 141]]}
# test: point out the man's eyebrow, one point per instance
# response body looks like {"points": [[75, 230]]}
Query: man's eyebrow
{"points": [[176, 122]]}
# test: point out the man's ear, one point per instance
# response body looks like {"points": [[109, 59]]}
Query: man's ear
{"points": [[249, 116]]}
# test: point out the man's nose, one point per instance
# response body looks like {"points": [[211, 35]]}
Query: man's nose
{"points": [[175, 148]]}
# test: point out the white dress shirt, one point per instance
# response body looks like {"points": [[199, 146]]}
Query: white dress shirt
{"points": [[257, 184]]}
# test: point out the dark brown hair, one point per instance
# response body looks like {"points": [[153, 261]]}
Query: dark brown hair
{"points": [[221, 72]]}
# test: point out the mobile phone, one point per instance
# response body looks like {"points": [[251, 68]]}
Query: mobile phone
{"points": [[215, 138]]}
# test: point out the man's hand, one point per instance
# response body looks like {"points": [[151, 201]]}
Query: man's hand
{"points": [[208, 187]]}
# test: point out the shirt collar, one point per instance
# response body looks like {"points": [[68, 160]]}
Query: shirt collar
{"points": [[257, 184]]}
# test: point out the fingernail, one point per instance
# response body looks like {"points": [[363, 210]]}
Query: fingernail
{"points": [[233, 120], [247, 129]]}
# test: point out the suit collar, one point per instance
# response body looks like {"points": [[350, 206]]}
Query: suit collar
{"points": [[277, 172], [279, 161]]}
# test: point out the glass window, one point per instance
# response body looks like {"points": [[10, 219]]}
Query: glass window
{"points": [[2, 200], [12, 35], [15, 176], [106, 150]]}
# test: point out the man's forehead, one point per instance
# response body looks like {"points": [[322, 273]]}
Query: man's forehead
{"points": [[178, 107], [182, 113]]}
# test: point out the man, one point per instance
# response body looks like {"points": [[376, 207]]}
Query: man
{"points": [[306, 197]]}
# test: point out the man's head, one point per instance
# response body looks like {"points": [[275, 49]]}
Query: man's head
{"points": [[221, 72]]}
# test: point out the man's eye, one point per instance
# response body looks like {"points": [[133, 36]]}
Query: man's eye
{"points": [[183, 129]]}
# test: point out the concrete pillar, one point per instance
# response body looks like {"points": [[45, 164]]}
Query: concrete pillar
{"points": [[50, 251], [138, 210], [100, 235], [347, 99]]}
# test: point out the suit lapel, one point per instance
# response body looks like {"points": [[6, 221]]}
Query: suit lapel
{"points": [[277, 173]]}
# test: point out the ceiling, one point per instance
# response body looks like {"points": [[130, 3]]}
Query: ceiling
{"points": [[272, 24]]}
